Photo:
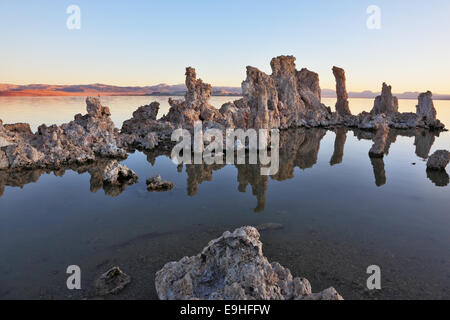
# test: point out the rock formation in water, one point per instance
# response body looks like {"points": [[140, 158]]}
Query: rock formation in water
{"points": [[426, 110], [385, 103], [157, 184], [342, 105], [143, 130], [233, 267], [287, 98], [117, 174], [439, 160], [380, 139], [83, 140]]}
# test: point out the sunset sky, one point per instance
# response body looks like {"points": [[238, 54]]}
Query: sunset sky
{"points": [[150, 42]]}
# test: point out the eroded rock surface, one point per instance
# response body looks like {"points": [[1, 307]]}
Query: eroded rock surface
{"points": [[438, 160], [233, 267]]}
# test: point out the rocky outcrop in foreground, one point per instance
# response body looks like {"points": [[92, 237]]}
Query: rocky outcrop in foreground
{"points": [[438, 160], [88, 138], [233, 267]]}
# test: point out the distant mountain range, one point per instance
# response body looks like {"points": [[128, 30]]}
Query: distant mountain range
{"points": [[104, 90], [158, 90]]}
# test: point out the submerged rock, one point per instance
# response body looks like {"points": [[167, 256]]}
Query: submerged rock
{"points": [[116, 174], [157, 184], [439, 160], [111, 282], [233, 267]]}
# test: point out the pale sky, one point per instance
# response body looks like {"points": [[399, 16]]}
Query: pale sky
{"points": [[150, 42]]}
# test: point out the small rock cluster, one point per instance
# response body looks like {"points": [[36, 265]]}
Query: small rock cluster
{"points": [[233, 267], [117, 174], [157, 184]]}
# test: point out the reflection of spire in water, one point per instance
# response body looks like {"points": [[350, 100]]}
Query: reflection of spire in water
{"points": [[424, 140], [251, 174], [378, 170], [339, 143], [198, 173], [439, 177], [298, 148]]}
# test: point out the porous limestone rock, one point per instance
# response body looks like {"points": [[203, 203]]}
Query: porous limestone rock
{"points": [[115, 173], [342, 105], [23, 128], [157, 184], [233, 267], [111, 282], [380, 139], [438, 160], [385, 103]]}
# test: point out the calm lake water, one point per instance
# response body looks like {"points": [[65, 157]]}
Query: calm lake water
{"points": [[340, 211]]}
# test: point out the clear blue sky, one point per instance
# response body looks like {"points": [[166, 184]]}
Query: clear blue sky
{"points": [[149, 42]]}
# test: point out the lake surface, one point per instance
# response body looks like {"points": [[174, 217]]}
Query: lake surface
{"points": [[341, 211]]}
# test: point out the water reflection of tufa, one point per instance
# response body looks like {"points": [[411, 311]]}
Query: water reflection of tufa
{"points": [[299, 148], [95, 169]]}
